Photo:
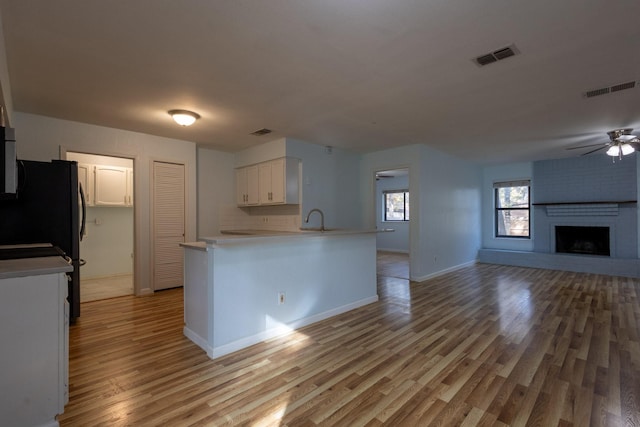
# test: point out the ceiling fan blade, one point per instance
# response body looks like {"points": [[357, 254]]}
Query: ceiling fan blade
{"points": [[585, 146], [593, 151]]}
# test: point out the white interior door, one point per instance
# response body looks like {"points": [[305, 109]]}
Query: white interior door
{"points": [[168, 224]]}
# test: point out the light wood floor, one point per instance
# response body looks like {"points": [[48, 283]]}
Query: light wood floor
{"points": [[485, 345], [106, 287]]}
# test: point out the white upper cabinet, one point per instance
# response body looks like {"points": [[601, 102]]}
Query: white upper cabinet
{"points": [[129, 195], [277, 183], [85, 178], [110, 186], [247, 186]]}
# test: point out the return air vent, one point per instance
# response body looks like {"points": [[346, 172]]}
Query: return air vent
{"points": [[610, 89], [496, 55], [260, 132]]}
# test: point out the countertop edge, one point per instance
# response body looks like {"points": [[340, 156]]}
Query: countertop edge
{"points": [[230, 239], [24, 267], [199, 246]]}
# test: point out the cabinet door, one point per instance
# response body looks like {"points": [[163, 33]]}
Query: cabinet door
{"points": [[277, 181], [241, 187], [253, 197], [264, 179], [129, 195], [85, 178], [110, 186]]}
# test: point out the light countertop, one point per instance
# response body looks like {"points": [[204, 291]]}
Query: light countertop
{"points": [[234, 237], [23, 267]]}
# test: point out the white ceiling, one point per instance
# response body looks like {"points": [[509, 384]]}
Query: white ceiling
{"points": [[357, 74]]}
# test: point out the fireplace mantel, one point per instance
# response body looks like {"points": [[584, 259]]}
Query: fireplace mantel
{"points": [[599, 202]]}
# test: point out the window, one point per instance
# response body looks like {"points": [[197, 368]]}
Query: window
{"points": [[396, 205], [512, 208]]}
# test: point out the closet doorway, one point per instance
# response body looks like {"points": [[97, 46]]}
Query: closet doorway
{"points": [[107, 245]]}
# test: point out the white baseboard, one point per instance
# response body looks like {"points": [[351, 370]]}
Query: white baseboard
{"points": [[397, 251], [273, 332], [198, 340], [442, 272], [145, 292]]}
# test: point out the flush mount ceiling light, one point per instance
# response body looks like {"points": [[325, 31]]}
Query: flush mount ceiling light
{"points": [[184, 117]]}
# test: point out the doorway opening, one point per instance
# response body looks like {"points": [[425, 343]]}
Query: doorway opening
{"points": [[392, 212], [107, 245]]}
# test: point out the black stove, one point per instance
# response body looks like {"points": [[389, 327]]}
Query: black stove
{"points": [[29, 251]]}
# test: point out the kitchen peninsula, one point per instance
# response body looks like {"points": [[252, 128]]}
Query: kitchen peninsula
{"points": [[242, 289]]}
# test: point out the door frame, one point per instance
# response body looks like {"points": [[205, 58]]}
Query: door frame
{"points": [[374, 207], [137, 220]]}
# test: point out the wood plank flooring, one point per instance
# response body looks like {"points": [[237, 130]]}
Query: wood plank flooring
{"points": [[106, 287], [485, 345]]}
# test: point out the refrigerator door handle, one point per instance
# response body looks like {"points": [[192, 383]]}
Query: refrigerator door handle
{"points": [[83, 226]]}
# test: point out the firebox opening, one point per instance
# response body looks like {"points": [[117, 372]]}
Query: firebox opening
{"points": [[583, 240]]}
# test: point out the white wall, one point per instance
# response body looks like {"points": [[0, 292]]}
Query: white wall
{"points": [[491, 174], [108, 245], [216, 188], [445, 221], [398, 240], [44, 138]]}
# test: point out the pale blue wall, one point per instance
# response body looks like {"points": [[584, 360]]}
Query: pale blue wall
{"points": [[576, 179], [445, 226], [491, 174], [450, 212]]}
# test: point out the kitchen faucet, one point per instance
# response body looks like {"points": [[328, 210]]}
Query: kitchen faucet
{"points": [[321, 217]]}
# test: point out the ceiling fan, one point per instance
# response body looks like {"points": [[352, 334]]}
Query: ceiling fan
{"points": [[621, 142]]}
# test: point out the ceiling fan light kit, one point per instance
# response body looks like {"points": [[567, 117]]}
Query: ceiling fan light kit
{"points": [[620, 150], [621, 140], [621, 143]]}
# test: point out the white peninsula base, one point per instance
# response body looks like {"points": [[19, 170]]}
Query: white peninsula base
{"points": [[241, 290]]}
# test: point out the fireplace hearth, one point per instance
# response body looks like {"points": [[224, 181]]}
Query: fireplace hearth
{"points": [[583, 240]]}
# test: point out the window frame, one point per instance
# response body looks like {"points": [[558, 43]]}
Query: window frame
{"points": [[405, 193], [496, 215]]}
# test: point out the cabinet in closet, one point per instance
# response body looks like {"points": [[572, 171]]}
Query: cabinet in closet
{"points": [[85, 178], [110, 186]]}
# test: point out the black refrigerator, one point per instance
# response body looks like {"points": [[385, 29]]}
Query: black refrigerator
{"points": [[46, 209]]}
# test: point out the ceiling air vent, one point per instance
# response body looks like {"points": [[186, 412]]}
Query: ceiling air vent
{"points": [[260, 132], [496, 55], [610, 89], [623, 86]]}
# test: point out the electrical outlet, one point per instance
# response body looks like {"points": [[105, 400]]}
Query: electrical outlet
{"points": [[281, 298]]}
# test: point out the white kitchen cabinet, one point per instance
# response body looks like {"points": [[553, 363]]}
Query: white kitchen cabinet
{"points": [[277, 183], [34, 356], [129, 194], [85, 178], [110, 186], [247, 186]]}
